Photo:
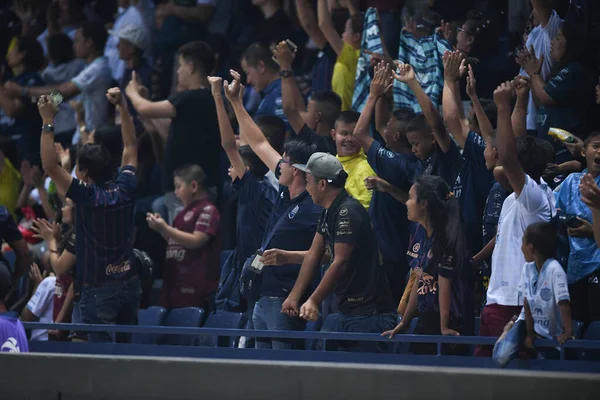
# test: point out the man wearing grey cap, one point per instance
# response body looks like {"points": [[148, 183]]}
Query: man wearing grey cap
{"points": [[344, 230]]}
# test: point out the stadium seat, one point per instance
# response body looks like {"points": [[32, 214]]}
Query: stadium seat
{"points": [[224, 256], [591, 333], [183, 317], [152, 316], [222, 320], [577, 329]]}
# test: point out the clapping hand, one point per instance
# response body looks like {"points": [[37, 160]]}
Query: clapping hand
{"points": [[471, 84], [233, 90], [382, 80], [156, 222], [114, 96], [45, 229], [529, 61], [454, 65], [406, 73], [284, 56]]}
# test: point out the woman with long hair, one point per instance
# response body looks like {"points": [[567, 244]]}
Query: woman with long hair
{"points": [[442, 295]]}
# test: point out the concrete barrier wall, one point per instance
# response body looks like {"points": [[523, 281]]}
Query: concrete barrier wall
{"points": [[66, 377]]}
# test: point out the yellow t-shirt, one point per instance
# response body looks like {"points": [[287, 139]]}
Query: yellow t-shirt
{"points": [[357, 167], [10, 181], [344, 73]]}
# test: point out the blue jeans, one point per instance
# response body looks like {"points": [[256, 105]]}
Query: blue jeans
{"points": [[110, 304], [267, 316], [376, 323]]}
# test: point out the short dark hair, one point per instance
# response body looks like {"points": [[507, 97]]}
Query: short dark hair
{"points": [[491, 111], [256, 53], [97, 161], [109, 137], [191, 173], [253, 162], [200, 55], [534, 155], [273, 128], [95, 31], [357, 22], [348, 117], [595, 135], [60, 48], [543, 237], [329, 104], [576, 38], [33, 60], [419, 123], [404, 115], [299, 151]]}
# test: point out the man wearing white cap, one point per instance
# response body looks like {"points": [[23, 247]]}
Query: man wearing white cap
{"points": [[344, 230], [129, 14], [132, 43]]}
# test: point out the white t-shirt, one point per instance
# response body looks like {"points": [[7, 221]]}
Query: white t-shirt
{"points": [[541, 39], [41, 305], [93, 82], [543, 292], [535, 204]]}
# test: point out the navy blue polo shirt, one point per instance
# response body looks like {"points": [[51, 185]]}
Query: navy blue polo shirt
{"points": [[104, 228], [472, 187], [9, 231], [491, 215], [295, 233], [388, 215], [272, 103], [322, 70], [256, 198], [445, 165]]}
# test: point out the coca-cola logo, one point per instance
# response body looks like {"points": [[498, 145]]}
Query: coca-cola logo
{"points": [[118, 269]]}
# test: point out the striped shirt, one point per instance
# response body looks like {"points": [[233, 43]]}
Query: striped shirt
{"points": [[104, 228], [371, 40], [425, 56]]}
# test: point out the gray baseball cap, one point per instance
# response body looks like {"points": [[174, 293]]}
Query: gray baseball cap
{"points": [[322, 165]]}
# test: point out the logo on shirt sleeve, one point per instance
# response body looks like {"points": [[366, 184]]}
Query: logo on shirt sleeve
{"points": [[344, 227], [343, 212], [293, 213], [10, 346], [188, 216]]}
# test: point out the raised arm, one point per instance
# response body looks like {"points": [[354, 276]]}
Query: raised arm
{"points": [[67, 89], [62, 179], [519, 115], [453, 111], [248, 128], [145, 107], [326, 26], [505, 139], [380, 85], [293, 102], [590, 195], [309, 23], [407, 75], [484, 122], [227, 136], [130, 150], [533, 66], [381, 185]]}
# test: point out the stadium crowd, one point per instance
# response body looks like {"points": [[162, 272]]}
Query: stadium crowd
{"points": [[382, 160]]}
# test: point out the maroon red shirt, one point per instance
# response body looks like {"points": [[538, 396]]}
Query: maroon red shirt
{"points": [[191, 275]]}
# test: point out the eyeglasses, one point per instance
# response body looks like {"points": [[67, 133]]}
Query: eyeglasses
{"points": [[284, 161]]}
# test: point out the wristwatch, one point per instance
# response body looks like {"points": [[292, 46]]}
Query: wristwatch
{"points": [[47, 128], [286, 73]]}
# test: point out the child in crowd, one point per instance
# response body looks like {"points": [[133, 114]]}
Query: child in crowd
{"points": [[192, 264], [442, 295], [546, 312]]}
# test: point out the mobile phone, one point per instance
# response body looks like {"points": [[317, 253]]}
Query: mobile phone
{"points": [[573, 222], [56, 98], [291, 45]]}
